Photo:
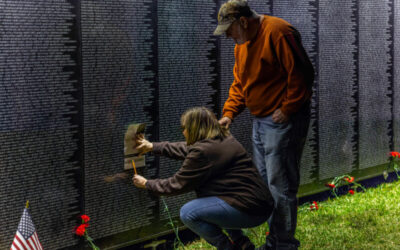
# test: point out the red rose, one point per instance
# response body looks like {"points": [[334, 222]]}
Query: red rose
{"points": [[314, 206], [349, 180], [394, 154], [266, 233], [85, 218], [81, 229], [351, 191], [331, 185]]}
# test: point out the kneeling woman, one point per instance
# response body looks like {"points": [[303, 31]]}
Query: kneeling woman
{"points": [[231, 193]]}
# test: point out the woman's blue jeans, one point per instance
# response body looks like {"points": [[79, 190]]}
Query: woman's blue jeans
{"points": [[209, 215], [277, 149]]}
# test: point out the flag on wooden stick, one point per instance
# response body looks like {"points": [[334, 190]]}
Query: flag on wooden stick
{"points": [[26, 236]]}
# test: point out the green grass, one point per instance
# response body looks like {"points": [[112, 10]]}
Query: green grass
{"points": [[369, 220]]}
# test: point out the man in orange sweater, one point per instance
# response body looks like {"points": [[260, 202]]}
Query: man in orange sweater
{"points": [[273, 78]]}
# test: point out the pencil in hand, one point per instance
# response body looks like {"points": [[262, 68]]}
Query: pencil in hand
{"points": [[134, 167]]}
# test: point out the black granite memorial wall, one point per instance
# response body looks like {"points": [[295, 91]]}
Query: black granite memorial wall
{"points": [[74, 74]]}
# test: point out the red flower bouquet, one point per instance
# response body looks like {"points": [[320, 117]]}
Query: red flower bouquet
{"points": [[81, 230], [344, 180], [394, 162]]}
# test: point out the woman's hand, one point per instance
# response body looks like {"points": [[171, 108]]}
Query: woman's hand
{"points": [[139, 181], [143, 145]]}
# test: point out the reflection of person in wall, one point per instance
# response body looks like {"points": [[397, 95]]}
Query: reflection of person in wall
{"points": [[272, 77], [231, 193]]}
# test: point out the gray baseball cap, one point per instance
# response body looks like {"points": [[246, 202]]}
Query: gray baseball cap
{"points": [[229, 13]]}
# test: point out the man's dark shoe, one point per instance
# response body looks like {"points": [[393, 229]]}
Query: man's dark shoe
{"points": [[243, 243]]}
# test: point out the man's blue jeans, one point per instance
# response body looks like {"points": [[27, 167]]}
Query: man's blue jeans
{"points": [[208, 216], [277, 149]]}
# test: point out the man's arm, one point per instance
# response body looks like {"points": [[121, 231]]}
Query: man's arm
{"points": [[235, 102], [294, 60]]}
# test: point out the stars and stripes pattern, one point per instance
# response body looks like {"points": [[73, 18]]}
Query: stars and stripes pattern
{"points": [[26, 237]]}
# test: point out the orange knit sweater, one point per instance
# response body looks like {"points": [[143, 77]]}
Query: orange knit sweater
{"points": [[271, 71]]}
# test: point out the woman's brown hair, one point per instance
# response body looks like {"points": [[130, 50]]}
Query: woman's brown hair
{"points": [[200, 123]]}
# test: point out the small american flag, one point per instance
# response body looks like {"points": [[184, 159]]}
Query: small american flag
{"points": [[26, 236]]}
